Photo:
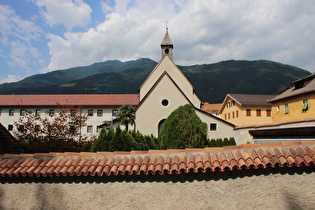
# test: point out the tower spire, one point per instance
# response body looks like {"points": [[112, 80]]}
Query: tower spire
{"points": [[167, 45]]}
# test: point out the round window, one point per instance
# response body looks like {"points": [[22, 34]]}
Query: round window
{"points": [[164, 102]]}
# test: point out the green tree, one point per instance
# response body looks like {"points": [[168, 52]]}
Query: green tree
{"points": [[226, 142], [102, 142], [219, 142], [116, 144], [130, 143], [183, 129], [126, 115], [232, 141]]}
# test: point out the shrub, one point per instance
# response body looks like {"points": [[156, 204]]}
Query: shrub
{"points": [[183, 129]]}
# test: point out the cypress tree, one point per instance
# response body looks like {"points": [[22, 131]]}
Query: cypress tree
{"points": [[232, 141], [116, 144], [130, 143], [226, 142], [97, 144], [219, 142]]}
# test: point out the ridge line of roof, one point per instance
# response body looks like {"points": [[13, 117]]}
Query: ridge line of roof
{"points": [[159, 152]]}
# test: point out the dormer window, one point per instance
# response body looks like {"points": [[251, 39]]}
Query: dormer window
{"points": [[298, 85]]}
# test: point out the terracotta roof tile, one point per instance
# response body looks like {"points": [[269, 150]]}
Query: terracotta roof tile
{"points": [[167, 162], [69, 99]]}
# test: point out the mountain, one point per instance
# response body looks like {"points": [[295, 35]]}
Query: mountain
{"points": [[57, 77], [211, 81]]}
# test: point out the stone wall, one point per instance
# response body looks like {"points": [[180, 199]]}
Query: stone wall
{"points": [[282, 188]]}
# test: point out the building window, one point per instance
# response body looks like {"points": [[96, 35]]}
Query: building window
{"points": [[228, 104], [37, 127], [278, 108], [38, 112], [286, 108], [90, 112], [224, 116], [233, 116], [22, 112], [236, 113], [11, 112], [258, 112], [233, 103], [0, 112], [51, 112], [74, 111], [90, 129], [21, 128], [72, 128], [229, 116], [248, 112], [213, 127], [268, 113], [164, 102], [305, 105], [160, 126], [10, 127], [100, 113], [114, 112]]}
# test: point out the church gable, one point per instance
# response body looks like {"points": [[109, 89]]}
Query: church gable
{"points": [[162, 99], [168, 66]]}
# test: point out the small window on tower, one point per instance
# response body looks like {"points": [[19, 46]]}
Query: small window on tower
{"points": [[167, 51]]}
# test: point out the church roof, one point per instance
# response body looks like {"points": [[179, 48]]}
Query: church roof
{"points": [[167, 40]]}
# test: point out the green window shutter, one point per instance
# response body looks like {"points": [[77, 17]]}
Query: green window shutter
{"points": [[305, 105], [286, 109]]}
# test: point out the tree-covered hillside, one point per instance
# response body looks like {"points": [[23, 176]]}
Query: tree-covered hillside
{"points": [[211, 81]]}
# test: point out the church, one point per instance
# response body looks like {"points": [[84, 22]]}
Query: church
{"points": [[164, 90]]}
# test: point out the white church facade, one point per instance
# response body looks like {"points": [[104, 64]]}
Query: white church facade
{"points": [[164, 90]]}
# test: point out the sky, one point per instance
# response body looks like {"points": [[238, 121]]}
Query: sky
{"points": [[39, 36]]}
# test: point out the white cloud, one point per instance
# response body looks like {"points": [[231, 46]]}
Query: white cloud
{"points": [[10, 78], [13, 26], [66, 12], [202, 32], [22, 55], [16, 39]]}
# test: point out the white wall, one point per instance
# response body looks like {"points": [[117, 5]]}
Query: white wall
{"points": [[224, 130], [190, 191]]}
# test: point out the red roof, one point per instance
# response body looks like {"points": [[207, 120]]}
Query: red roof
{"points": [[229, 158], [83, 100]]}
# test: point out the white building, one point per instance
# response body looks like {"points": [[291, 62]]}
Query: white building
{"points": [[102, 109]]}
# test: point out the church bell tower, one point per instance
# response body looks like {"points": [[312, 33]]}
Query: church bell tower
{"points": [[167, 45]]}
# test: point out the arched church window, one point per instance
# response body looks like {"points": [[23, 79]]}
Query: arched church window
{"points": [[160, 126]]}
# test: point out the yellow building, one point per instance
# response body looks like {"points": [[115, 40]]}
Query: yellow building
{"points": [[246, 109], [296, 102]]}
